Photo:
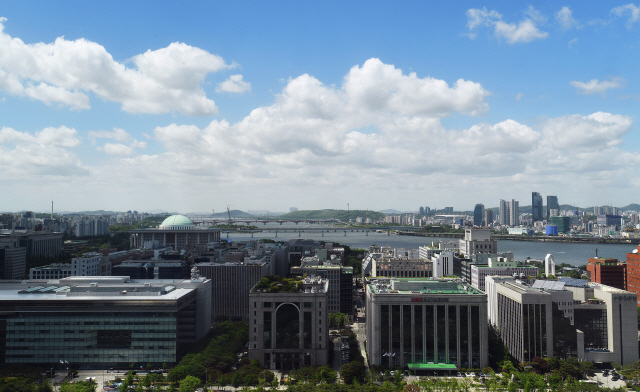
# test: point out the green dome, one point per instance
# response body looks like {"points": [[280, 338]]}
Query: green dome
{"points": [[177, 220]]}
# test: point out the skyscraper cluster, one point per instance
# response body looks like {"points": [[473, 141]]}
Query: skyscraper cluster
{"points": [[509, 212]]}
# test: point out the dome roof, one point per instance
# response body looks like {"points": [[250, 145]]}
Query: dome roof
{"points": [[177, 220]]}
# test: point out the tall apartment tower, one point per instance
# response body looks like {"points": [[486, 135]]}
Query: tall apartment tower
{"points": [[536, 206], [504, 212], [514, 213], [552, 206], [478, 215]]}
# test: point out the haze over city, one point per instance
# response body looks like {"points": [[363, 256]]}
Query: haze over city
{"points": [[190, 107]]}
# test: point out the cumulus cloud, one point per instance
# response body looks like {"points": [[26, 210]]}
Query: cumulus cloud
{"points": [[565, 19], [23, 155], [124, 150], [234, 84], [118, 134], [63, 72], [524, 31], [593, 132], [595, 86], [630, 9]]}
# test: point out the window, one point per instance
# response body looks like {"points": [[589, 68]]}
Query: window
{"points": [[255, 304]]}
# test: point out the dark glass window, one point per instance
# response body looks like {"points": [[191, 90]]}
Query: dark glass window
{"points": [[114, 339], [453, 336], [418, 334], [287, 327], [384, 332]]}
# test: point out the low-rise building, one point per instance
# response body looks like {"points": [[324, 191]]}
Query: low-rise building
{"points": [[607, 271], [13, 260], [500, 266], [101, 322]]}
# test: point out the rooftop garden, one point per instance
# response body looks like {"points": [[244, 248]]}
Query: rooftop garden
{"points": [[277, 284]]}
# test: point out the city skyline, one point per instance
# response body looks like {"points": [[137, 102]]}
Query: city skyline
{"points": [[122, 106]]}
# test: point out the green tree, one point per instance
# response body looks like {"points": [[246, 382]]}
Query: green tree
{"points": [[235, 380], [190, 384], [80, 386]]}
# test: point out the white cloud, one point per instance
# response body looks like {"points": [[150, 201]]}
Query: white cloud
{"points": [[62, 72], [573, 41], [565, 19], [519, 96], [24, 155], [124, 150], [117, 134], [593, 132], [595, 86], [234, 84], [524, 31], [631, 9]]}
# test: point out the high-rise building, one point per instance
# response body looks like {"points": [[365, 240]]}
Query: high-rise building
{"points": [[488, 217], [478, 215], [562, 222], [514, 213], [552, 205], [421, 211], [504, 212], [536, 206]]}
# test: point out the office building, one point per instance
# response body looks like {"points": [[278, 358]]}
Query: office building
{"points": [[478, 215], [426, 325], [13, 260], [607, 271], [553, 208], [609, 220], [288, 325], [152, 269], [102, 322], [549, 265], [633, 272], [564, 318], [177, 231], [385, 262], [500, 266], [340, 292], [563, 223], [89, 264], [232, 282], [36, 243], [536, 207], [477, 241]]}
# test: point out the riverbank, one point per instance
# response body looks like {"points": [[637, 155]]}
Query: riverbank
{"points": [[574, 240]]}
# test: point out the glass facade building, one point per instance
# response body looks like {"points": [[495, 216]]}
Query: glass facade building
{"points": [[97, 322]]}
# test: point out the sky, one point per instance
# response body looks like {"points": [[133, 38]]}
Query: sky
{"points": [[199, 105]]}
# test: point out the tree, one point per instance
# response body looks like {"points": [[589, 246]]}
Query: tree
{"points": [[80, 386], [235, 380], [190, 384]]}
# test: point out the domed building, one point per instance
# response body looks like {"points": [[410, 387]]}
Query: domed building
{"points": [[177, 231], [177, 222]]}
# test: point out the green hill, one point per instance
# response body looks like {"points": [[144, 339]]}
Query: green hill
{"points": [[342, 215]]}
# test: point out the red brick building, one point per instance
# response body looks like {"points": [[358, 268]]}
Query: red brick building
{"points": [[607, 271], [633, 272]]}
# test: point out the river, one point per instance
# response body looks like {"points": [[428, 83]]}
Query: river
{"points": [[575, 254]]}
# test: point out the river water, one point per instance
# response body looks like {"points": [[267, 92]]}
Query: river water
{"points": [[575, 254]]}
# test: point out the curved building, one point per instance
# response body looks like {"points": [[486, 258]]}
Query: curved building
{"points": [[177, 231]]}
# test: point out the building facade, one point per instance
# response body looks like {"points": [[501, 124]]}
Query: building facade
{"points": [[478, 215], [426, 325], [13, 261], [564, 318], [607, 271], [289, 330], [536, 207], [478, 241], [500, 267], [340, 292], [633, 272], [36, 243], [553, 208], [177, 231], [98, 322], [232, 282]]}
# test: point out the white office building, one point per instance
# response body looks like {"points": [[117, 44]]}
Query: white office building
{"points": [[564, 318]]}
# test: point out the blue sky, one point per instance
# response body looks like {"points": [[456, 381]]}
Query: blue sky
{"points": [[266, 105]]}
